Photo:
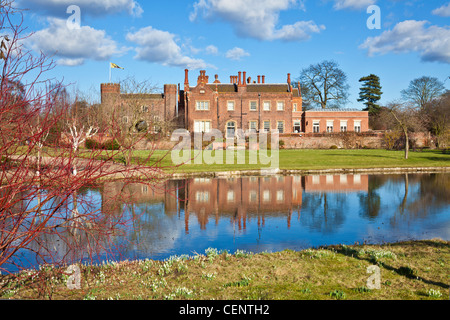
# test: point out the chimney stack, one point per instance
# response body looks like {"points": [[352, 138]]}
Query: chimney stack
{"points": [[263, 79], [186, 80], [244, 78], [240, 75], [289, 81], [259, 79]]}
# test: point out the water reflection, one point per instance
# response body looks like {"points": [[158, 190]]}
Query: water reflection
{"points": [[265, 213]]}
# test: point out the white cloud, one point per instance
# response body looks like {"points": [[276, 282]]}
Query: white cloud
{"points": [[211, 49], [73, 46], [236, 53], [432, 43], [70, 62], [443, 11], [59, 7], [257, 18], [353, 4], [160, 47]]}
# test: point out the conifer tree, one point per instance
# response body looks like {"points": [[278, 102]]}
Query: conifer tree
{"points": [[370, 93]]}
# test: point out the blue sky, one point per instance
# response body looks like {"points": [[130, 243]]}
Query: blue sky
{"points": [[157, 40]]}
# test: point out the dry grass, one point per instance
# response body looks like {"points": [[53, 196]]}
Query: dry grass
{"points": [[409, 271]]}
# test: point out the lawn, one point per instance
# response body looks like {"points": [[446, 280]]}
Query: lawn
{"points": [[405, 271], [301, 159], [309, 160]]}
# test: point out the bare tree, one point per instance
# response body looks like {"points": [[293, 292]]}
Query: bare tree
{"points": [[38, 198], [405, 118], [423, 90], [324, 84], [437, 119]]}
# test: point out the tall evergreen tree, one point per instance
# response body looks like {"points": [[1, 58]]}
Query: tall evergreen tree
{"points": [[370, 93]]}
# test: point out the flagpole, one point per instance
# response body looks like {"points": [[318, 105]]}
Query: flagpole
{"points": [[110, 72]]}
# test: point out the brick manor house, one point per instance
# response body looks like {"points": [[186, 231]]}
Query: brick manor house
{"points": [[242, 103]]}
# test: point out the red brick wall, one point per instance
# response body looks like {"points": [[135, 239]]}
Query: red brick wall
{"points": [[336, 117], [219, 115]]}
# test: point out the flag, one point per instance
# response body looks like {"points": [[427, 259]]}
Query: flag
{"points": [[115, 66]]}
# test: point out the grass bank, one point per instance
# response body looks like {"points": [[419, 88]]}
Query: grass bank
{"points": [[307, 160], [408, 271]]}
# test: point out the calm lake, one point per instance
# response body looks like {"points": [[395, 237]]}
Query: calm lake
{"points": [[258, 214]]}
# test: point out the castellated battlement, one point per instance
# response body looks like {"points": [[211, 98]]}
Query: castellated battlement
{"points": [[110, 88]]}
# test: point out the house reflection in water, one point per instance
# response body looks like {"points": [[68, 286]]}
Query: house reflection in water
{"points": [[238, 199]]}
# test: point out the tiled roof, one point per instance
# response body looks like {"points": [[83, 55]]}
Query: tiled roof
{"points": [[263, 88], [333, 110], [224, 88], [276, 88]]}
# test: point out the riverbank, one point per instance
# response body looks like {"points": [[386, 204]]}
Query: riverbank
{"points": [[158, 164], [413, 270], [301, 160]]}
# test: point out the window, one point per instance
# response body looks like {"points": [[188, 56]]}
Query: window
{"points": [[230, 105], [316, 179], [202, 196], [280, 195], [316, 126], [297, 126], [294, 108], [343, 126], [230, 196], [144, 108], [330, 125], [231, 128], [253, 126], [266, 106], [358, 126], [202, 126], [280, 126], [202, 180], [267, 126], [202, 105], [266, 196], [329, 179], [280, 105], [156, 127], [253, 196], [253, 105]]}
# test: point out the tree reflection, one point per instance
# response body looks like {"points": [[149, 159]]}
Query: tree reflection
{"points": [[370, 202], [429, 195], [324, 212]]}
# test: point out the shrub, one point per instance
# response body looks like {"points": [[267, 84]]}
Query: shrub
{"points": [[92, 144], [333, 147], [107, 145], [111, 145]]}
